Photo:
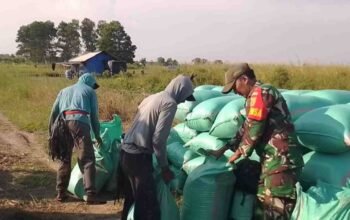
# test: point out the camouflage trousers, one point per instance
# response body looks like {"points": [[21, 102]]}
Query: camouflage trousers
{"points": [[277, 193]]}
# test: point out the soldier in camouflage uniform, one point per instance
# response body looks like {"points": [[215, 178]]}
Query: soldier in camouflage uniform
{"points": [[269, 131]]}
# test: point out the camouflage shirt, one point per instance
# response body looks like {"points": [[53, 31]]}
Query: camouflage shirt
{"points": [[268, 129]]}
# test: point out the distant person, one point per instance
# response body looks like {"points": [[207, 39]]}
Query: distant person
{"points": [[69, 74], [82, 69], [79, 106], [53, 66], [269, 131], [147, 136]]}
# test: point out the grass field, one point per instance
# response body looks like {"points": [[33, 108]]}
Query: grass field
{"points": [[27, 92]]}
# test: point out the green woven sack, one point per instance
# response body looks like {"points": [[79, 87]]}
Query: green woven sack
{"points": [[295, 92], [191, 165], [299, 105], [176, 152], [203, 115], [186, 107], [106, 160], [229, 120], [167, 204], [218, 88], [208, 192], [242, 206], [329, 168], [181, 133], [335, 96], [177, 184], [205, 141], [325, 129], [322, 201], [76, 185], [204, 87]]}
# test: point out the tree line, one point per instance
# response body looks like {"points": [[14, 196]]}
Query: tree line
{"points": [[43, 42]]}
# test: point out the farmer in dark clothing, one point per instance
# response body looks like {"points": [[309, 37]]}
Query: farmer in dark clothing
{"points": [[148, 135], [269, 131], [78, 104]]}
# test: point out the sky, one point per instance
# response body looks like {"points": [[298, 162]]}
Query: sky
{"points": [[259, 31]]}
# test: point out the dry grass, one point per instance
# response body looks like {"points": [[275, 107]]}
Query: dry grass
{"points": [[121, 102], [27, 93]]}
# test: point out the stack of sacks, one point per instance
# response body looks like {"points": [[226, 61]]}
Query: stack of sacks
{"points": [[325, 129], [201, 95], [335, 96], [212, 121], [203, 115], [181, 133], [178, 155], [327, 132], [202, 142], [301, 104], [205, 141]]}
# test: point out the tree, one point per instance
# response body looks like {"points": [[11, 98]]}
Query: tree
{"points": [[114, 40], [218, 62], [68, 39], [198, 60], [169, 62], [35, 41], [143, 61], [88, 34], [161, 61]]}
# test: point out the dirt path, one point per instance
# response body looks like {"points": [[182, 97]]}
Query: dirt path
{"points": [[27, 182]]}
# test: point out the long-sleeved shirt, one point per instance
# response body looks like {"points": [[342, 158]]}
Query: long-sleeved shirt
{"points": [[153, 120], [80, 96], [268, 129]]}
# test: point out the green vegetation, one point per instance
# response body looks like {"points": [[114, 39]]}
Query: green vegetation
{"points": [[27, 92], [41, 42]]}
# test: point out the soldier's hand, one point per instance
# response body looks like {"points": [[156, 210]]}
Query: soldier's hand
{"points": [[235, 156]]}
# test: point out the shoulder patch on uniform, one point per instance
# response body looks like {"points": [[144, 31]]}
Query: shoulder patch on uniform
{"points": [[257, 107]]}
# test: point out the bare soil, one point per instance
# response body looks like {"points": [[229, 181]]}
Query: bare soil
{"points": [[28, 178]]}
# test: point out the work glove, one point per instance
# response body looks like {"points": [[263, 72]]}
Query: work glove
{"points": [[167, 174]]}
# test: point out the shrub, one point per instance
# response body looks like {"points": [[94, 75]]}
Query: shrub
{"points": [[280, 78]]}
